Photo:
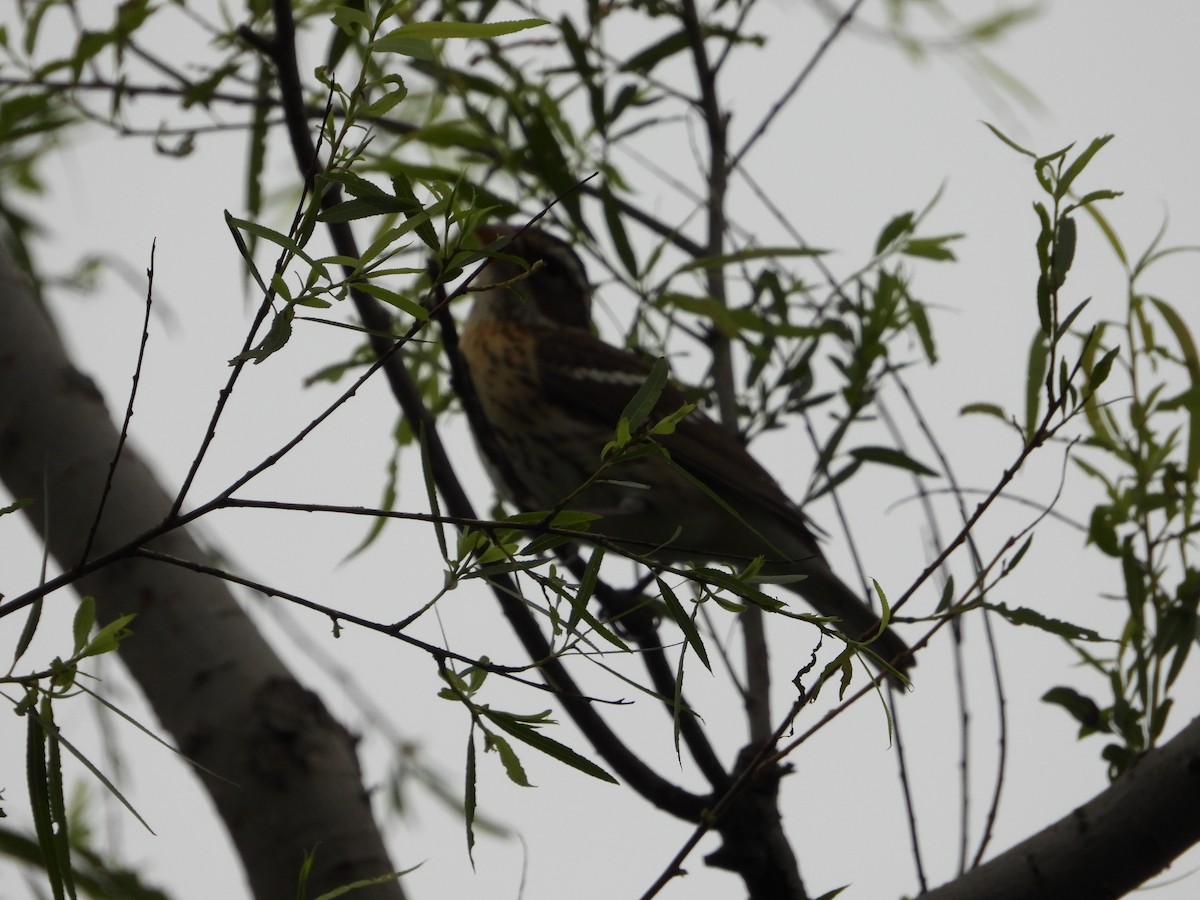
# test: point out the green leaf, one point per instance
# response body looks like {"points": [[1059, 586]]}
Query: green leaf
{"points": [[668, 423], [1080, 163], [1070, 318], [1035, 380], [1103, 533], [998, 133], [392, 298], [947, 595], [740, 587], [384, 104], [1135, 583], [1022, 615], [81, 627], [836, 478], [932, 248], [1087, 200], [256, 157], [1098, 416], [349, 19], [15, 505], [1100, 371], [345, 889], [430, 491], [381, 204], [642, 403], [1045, 237], [686, 624], [889, 456], [269, 234], [722, 260], [1082, 709], [413, 47], [1063, 253], [546, 155], [41, 803], [58, 804], [1187, 349], [616, 230], [277, 336], [645, 60], [920, 323], [893, 230], [28, 630], [885, 613], [529, 735], [984, 409], [718, 313], [417, 216], [1010, 564], [469, 798], [109, 637], [434, 31], [587, 587], [509, 759]]}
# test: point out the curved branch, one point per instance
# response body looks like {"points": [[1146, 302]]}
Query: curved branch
{"points": [[611, 748], [1125, 835]]}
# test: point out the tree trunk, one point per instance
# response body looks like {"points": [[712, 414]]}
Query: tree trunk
{"points": [[287, 779]]}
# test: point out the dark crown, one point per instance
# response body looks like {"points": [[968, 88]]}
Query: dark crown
{"points": [[558, 289]]}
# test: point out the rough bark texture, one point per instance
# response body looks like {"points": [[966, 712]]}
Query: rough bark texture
{"points": [[289, 778], [1115, 842]]}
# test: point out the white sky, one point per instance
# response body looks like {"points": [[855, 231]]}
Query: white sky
{"points": [[871, 135]]}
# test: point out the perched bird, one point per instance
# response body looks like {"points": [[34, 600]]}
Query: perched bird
{"points": [[551, 394]]}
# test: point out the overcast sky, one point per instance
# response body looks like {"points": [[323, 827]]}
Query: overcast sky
{"points": [[872, 134]]}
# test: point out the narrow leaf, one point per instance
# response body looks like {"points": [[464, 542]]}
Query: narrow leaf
{"points": [[1187, 349], [685, 622], [564, 754], [1022, 615], [984, 409], [901, 224], [1035, 378], [1080, 163], [1064, 251], [510, 760], [642, 403], [432, 31], [1082, 709], [1000, 134], [889, 456], [469, 799]]}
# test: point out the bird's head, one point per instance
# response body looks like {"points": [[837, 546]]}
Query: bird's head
{"points": [[535, 279]]}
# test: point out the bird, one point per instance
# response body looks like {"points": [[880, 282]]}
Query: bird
{"points": [[550, 394]]}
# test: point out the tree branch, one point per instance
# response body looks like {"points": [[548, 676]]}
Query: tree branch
{"points": [[1110, 845], [627, 765]]}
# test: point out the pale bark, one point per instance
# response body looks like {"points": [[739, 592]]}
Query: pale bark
{"points": [[289, 779], [1115, 842]]}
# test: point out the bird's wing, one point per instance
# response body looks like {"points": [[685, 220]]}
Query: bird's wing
{"points": [[588, 377]]}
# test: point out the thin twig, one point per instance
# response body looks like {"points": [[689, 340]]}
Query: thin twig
{"points": [[124, 435], [838, 27], [340, 615]]}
